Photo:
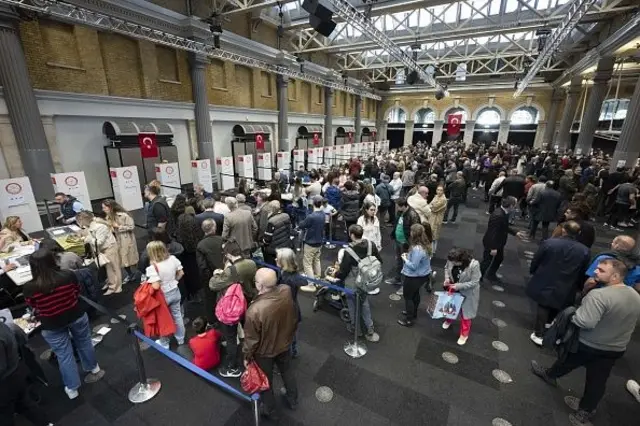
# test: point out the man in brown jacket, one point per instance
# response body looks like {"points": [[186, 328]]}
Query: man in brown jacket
{"points": [[270, 323]]}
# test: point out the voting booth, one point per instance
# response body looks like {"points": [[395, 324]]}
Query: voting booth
{"points": [[17, 199], [126, 187], [249, 140], [168, 174], [344, 135], [73, 184], [298, 159], [201, 174], [224, 166], [245, 167], [314, 158], [283, 161], [329, 155], [264, 166]]}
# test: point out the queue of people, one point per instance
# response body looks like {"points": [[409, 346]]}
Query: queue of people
{"points": [[210, 247]]}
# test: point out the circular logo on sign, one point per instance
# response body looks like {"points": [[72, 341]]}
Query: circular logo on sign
{"points": [[170, 170], [13, 188], [227, 162], [71, 181], [127, 174], [204, 165]]}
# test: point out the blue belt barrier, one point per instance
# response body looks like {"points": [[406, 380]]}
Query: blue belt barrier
{"points": [[322, 283], [195, 369]]}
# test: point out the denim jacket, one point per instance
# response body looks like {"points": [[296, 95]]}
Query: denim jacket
{"points": [[418, 263]]}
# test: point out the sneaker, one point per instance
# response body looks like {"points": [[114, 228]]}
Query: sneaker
{"points": [[541, 372], [392, 281], [110, 292], [462, 340], [106, 286], [163, 343], [634, 389], [94, 377], [535, 339], [374, 291], [446, 325], [71, 393], [372, 336], [581, 418], [335, 296], [400, 292], [623, 225], [405, 322], [126, 279], [309, 288], [444, 222], [229, 372]]}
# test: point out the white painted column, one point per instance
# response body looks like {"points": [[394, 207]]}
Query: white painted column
{"points": [[408, 133], [540, 134], [503, 133], [437, 131], [468, 132]]}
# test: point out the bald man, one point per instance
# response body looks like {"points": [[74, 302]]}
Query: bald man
{"points": [[270, 324], [623, 249], [418, 202]]}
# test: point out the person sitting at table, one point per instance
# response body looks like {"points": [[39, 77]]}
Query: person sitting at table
{"points": [[69, 208], [102, 242], [53, 295], [12, 232]]}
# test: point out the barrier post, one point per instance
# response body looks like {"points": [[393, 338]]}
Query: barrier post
{"points": [[145, 389], [329, 244], [356, 349], [255, 401]]}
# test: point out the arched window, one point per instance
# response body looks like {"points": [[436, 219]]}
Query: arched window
{"points": [[488, 117], [525, 115], [424, 115], [397, 115], [614, 109], [456, 111]]}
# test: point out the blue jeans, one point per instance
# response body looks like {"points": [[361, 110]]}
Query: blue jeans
{"points": [[173, 302], [60, 342], [365, 310]]}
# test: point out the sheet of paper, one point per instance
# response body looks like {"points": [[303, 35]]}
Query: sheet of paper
{"points": [[103, 331], [58, 232], [74, 228]]}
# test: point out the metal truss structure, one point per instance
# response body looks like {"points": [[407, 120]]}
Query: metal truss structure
{"points": [[78, 15], [490, 37], [577, 9]]}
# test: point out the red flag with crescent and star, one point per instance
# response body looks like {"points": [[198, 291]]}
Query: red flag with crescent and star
{"points": [[148, 145], [259, 141], [454, 124]]}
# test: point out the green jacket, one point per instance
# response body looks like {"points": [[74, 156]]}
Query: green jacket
{"points": [[242, 271]]}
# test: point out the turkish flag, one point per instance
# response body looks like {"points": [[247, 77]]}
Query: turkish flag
{"points": [[259, 141], [148, 145], [316, 139], [454, 124]]}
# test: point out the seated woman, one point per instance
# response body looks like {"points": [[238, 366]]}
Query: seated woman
{"points": [[12, 232], [102, 242], [53, 295]]}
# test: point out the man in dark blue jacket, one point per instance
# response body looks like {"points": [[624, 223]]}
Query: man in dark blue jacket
{"points": [[557, 273], [495, 238], [313, 227]]}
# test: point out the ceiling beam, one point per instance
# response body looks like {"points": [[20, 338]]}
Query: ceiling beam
{"points": [[517, 24]]}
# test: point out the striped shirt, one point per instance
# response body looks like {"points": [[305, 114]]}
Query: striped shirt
{"points": [[59, 307]]}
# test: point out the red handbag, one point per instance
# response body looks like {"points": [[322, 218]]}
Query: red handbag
{"points": [[253, 379]]}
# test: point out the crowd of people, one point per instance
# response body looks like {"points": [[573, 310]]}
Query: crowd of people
{"points": [[238, 254]]}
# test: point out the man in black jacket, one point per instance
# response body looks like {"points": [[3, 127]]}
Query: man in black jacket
{"points": [[209, 258], [495, 238], [456, 190], [405, 217], [277, 234]]}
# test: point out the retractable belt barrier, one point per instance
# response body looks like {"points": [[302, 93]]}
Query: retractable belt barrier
{"points": [[355, 349], [147, 388]]}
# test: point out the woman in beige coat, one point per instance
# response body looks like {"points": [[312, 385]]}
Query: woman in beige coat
{"points": [[97, 233], [122, 224], [438, 207]]}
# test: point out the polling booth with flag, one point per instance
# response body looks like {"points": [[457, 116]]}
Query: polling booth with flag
{"points": [[454, 124]]}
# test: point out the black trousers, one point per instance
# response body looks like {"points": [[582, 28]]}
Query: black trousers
{"points": [[392, 212], [454, 203], [269, 257], [209, 299], [15, 398], [230, 333], [411, 293], [620, 212], [544, 316], [598, 364], [494, 201], [490, 264], [534, 229], [283, 361]]}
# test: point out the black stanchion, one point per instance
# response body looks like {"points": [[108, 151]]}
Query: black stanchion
{"points": [[145, 389], [356, 349]]}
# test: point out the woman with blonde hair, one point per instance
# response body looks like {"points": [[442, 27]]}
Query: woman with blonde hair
{"points": [[164, 274], [122, 224], [105, 248], [12, 232], [286, 261], [416, 272]]}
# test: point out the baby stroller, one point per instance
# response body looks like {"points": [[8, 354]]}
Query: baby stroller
{"points": [[337, 300]]}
